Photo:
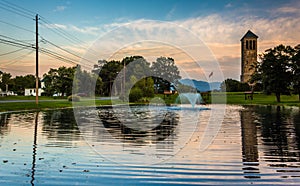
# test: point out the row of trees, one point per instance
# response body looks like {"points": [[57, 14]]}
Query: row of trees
{"points": [[120, 76], [65, 81], [232, 85], [279, 70], [17, 84], [132, 75]]}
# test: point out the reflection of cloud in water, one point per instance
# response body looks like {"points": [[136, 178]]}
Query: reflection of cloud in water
{"points": [[141, 126], [133, 134]]}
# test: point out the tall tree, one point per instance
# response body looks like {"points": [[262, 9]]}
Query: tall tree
{"points": [[295, 66], [5, 80], [274, 70], [165, 73], [88, 83], [108, 74], [59, 80]]}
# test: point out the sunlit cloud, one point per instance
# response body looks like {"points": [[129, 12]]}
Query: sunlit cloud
{"points": [[220, 34]]}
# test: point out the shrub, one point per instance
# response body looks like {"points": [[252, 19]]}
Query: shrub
{"points": [[135, 94], [74, 98]]}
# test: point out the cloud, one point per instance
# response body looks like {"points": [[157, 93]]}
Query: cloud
{"points": [[288, 10], [60, 8], [55, 25], [85, 30], [220, 33], [229, 5]]}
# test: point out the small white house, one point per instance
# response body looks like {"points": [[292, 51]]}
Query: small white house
{"points": [[31, 92]]}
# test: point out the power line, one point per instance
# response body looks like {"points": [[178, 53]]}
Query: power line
{"points": [[17, 40], [67, 51], [19, 27], [17, 59], [14, 70], [60, 57], [71, 38], [24, 9], [11, 52], [18, 43], [5, 5], [16, 12]]}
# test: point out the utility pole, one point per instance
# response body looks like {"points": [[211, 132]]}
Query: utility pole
{"points": [[36, 60]]}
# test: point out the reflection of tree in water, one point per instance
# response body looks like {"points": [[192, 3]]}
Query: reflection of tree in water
{"points": [[126, 134], [279, 134], [4, 119], [296, 121], [278, 129], [60, 125]]}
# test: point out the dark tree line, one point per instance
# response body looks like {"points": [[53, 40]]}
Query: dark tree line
{"points": [[231, 85], [162, 73], [17, 84], [65, 81], [132, 76]]}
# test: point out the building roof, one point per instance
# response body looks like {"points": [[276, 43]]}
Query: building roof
{"points": [[249, 34]]}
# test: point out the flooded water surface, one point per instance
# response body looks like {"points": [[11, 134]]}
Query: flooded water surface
{"points": [[149, 146]]}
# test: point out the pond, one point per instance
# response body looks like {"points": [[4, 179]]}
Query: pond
{"points": [[141, 145]]}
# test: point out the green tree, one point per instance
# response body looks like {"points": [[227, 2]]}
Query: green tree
{"points": [[108, 74], [165, 73], [274, 71], [295, 66], [22, 82], [231, 85], [6, 80], [59, 80], [85, 82]]}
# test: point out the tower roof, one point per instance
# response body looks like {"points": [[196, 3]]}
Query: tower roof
{"points": [[249, 34]]}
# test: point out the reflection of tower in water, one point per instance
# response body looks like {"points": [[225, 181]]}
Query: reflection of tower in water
{"points": [[249, 145]]}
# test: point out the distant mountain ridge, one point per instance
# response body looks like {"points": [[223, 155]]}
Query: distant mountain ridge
{"points": [[201, 86]]}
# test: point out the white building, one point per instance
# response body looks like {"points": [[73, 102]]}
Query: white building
{"points": [[31, 92]]}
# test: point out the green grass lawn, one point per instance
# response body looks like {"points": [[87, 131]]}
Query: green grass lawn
{"points": [[258, 98], [3, 98], [51, 103], [218, 98]]}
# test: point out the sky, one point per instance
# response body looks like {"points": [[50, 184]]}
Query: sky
{"points": [[202, 36]]}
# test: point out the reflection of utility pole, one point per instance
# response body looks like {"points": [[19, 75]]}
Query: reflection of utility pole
{"points": [[34, 149], [36, 60], [124, 81]]}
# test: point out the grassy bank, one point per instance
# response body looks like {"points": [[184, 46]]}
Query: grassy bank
{"points": [[218, 98], [258, 99], [238, 98], [45, 103]]}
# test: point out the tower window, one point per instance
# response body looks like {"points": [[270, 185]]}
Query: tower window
{"points": [[250, 44], [247, 45], [254, 45]]}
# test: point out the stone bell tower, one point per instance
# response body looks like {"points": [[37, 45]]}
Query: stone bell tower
{"points": [[249, 55]]}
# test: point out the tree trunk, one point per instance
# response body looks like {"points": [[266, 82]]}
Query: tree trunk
{"points": [[278, 97]]}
